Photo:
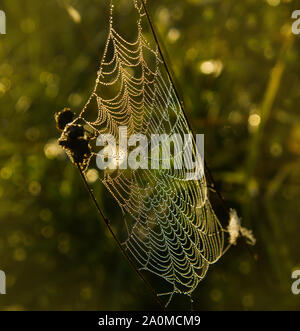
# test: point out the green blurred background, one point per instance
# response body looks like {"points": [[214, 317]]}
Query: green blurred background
{"points": [[237, 68]]}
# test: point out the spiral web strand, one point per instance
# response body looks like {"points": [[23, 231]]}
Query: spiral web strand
{"points": [[171, 228]]}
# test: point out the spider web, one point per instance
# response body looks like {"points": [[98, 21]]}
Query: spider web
{"points": [[172, 230]]}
